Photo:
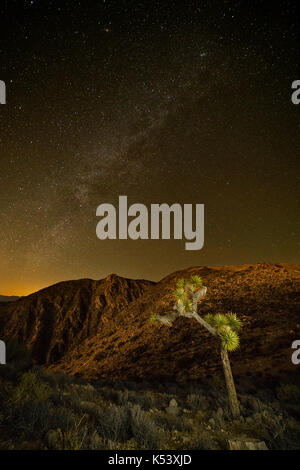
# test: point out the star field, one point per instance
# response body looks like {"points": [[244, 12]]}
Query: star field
{"points": [[183, 102]]}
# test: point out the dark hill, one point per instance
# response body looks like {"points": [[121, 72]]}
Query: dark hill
{"points": [[56, 319], [102, 328]]}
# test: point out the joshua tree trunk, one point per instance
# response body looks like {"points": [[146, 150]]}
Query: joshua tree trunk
{"points": [[233, 401]]}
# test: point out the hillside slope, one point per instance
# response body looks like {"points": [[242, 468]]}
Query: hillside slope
{"points": [[8, 298], [265, 296], [102, 328], [55, 319]]}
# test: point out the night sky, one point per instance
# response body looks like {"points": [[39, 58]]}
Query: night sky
{"points": [[161, 101]]}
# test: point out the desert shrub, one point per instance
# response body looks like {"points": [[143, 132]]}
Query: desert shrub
{"points": [[86, 392], [61, 418], [18, 359], [31, 388], [221, 416], [6, 390], [75, 394], [68, 399], [273, 428], [113, 423], [59, 379], [122, 397], [75, 437], [197, 402], [145, 431], [93, 417], [250, 404], [145, 400], [29, 409], [109, 394], [269, 426], [30, 419], [203, 441], [289, 393], [170, 422], [266, 395]]}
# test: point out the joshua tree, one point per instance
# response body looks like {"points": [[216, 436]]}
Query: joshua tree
{"points": [[224, 327]]}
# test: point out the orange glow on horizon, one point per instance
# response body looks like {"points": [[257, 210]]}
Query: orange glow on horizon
{"points": [[21, 291]]}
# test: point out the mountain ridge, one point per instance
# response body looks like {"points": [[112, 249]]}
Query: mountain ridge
{"points": [[102, 328], [55, 318], [8, 298]]}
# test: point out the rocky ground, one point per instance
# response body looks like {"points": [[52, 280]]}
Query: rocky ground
{"points": [[50, 410]]}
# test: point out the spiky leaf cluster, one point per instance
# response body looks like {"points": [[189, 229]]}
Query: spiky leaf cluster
{"points": [[181, 283], [184, 293], [153, 319], [179, 293], [196, 281], [230, 339], [227, 327], [233, 321]]}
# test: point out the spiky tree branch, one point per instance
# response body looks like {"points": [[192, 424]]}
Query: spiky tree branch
{"points": [[187, 295]]}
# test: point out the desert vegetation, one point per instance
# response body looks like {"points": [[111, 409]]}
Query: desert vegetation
{"points": [[225, 328], [51, 410]]}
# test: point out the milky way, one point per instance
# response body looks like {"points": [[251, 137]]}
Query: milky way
{"points": [[162, 104]]}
